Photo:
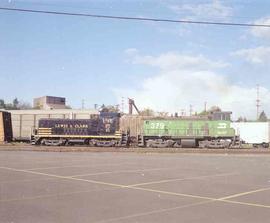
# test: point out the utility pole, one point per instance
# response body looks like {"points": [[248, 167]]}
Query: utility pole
{"points": [[190, 110], [82, 103], [183, 113], [122, 104], [258, 101], [205, 104]]}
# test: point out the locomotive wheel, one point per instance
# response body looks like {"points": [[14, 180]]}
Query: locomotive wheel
{"points": [[52, 142], [177, 145], [106, 143], [92, 142], [159, 143]]}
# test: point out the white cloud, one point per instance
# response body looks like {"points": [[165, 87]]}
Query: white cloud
{"points": [[173, 60], [259, 55], [131, 51], [215, 10], [262, 32], [176, 87]]}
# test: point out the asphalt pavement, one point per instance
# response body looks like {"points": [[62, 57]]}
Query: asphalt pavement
{"points": [[133, 187]]}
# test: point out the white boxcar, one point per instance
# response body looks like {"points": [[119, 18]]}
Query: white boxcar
{"points": [[252, 132], [23, 121]]}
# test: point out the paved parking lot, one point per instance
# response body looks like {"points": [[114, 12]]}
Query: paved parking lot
{"points": [[133, 187]]}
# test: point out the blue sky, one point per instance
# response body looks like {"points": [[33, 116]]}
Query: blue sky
{"points": [[162, 66]]}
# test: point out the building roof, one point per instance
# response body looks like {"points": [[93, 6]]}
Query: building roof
{"points": [[53, 111]]}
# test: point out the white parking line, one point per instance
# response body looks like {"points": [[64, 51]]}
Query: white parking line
{"points": [[53, 195], [181, 179], [62, 177], [123, 171], [107, 184], [78, 166], [223, 199], [153, 212], [245, 193]]}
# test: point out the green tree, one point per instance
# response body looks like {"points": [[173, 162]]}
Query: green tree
{"points": [[163, 114], [147, 112], [262, 117], [24, 105], [2, 103], [211, 110], [241, 119], [9, 106], [15, 103], [109, 108]]}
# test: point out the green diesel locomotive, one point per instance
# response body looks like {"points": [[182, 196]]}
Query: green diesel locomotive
{"points": [[187, 133]]}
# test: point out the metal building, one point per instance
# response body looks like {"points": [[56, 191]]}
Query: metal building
{"points": [[49, 102]]}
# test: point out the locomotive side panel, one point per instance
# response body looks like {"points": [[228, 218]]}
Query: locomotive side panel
{"points": [[102, 130], [186, 133], [68, 126], [188, 128]]}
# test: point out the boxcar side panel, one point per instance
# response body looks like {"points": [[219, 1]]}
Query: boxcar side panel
{"points": [[252, 132]]}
